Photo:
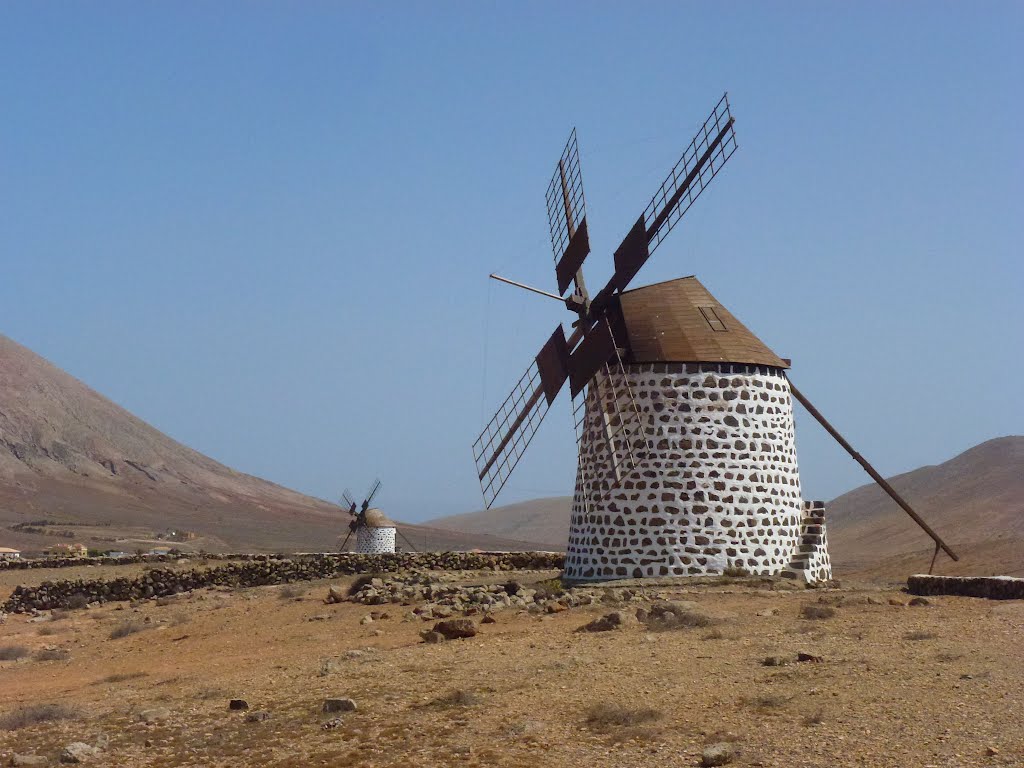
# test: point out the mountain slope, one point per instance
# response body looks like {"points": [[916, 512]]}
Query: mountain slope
{"points": [[974, 498], [70, 455], [543, 520]]}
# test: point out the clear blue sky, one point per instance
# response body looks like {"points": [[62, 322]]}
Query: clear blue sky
{"points": [[267, 228]]}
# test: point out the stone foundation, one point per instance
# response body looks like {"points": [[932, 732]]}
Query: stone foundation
{"points": [[375, 541], [716, 485]]}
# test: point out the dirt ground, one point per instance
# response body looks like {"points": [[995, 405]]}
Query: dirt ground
{"points": [[936, 685]]}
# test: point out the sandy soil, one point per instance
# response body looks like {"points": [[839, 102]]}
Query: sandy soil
{"points": [[936, 685]]}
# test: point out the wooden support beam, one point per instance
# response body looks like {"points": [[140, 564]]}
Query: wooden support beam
{"points": [[883, 484]]}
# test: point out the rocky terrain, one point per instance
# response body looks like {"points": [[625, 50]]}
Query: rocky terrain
{"points": [[416, 668]]}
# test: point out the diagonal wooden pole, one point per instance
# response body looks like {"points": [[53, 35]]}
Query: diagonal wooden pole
{"points": [[883, 484]]}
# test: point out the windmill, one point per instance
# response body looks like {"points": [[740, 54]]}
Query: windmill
{"points": [[683, 417], [375, 532]]}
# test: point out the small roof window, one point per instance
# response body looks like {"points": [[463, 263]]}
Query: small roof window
{"points": [[713, 319]]}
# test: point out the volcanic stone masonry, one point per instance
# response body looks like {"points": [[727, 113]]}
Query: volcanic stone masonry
{"points": [[715, 487], [375, 541]]}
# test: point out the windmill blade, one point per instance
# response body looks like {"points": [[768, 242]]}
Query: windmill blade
{"points": [[567, 217], [347, 500], [713, 145], [345, 542], [371, 494], [507, 435]]}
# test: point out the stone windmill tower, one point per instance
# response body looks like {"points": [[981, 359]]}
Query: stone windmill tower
{"points": [[375, 533], [684, 418]]}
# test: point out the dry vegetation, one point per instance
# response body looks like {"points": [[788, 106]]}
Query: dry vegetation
{"points": [[881, 684]]}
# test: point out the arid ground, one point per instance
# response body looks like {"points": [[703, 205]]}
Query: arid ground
{"points": [[940, 684]]}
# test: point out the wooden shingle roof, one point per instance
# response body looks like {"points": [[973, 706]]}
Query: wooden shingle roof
{"points": [[680, 321]]}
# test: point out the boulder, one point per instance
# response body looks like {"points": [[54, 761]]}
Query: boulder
{"points": [[610, 621], [339, 705], [718, 754], [77, 752], [453, 629]]}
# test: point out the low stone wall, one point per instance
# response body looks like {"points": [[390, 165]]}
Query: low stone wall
{"points": [[991, 587], [76, 562], [160, 582]]}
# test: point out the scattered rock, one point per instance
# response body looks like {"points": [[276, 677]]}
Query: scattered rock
{"points": [[339, 705], [77, 752], [768, 612], [776, 661], [334, 722], [488, 619], [718, 754], [238, 704], [430, 636], [335, 595], [366, 620], [896, 601], [155, 715], [920, 601], [872, 600], [257, 716], [801, 656], [453, 629], [610, 621], [991, 751], [28, 760]]}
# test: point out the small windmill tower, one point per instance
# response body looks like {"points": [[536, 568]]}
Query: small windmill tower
{"points": [[684, 418], [375, 533]]}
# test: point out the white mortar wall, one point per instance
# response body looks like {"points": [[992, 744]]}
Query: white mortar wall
{"points": [[716, 485], [375, 541]]}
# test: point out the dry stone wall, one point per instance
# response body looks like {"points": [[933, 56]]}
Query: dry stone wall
{"points": [[160, 582], [991, 587], [716, 484]]}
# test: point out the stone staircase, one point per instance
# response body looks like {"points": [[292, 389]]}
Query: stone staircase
{"points": [[811, 562]]}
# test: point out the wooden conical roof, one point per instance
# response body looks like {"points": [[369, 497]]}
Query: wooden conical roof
{"points": [[680, 321]]}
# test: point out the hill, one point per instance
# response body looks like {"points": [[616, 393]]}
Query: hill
{"points": [[97, 474], [544, 520], [975, 501]]}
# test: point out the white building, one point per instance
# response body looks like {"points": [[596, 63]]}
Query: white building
{"points": [[6, 553]]}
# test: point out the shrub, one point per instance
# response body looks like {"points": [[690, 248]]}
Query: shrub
{"points": [[735, 572], [34, 714], [127, 628], [605, 717], [456, 698], [78, 601], [816, 718], [817, 612], [120, 677], [666, 620], [919, 635], [291, 591], [46, 631], [52, 654], [13, 652], [767, 702]]}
